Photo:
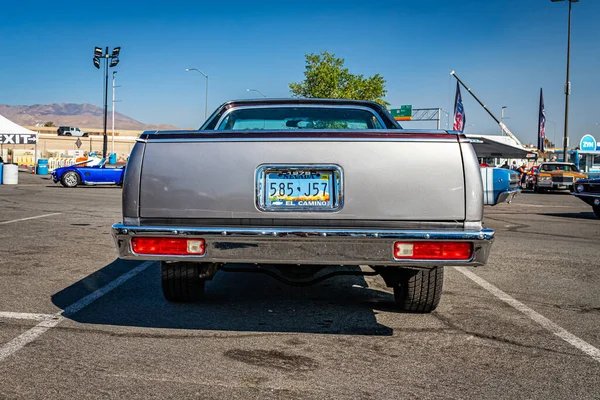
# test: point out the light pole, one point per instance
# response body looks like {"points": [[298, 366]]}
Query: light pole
{"points": [[256, 90], [206, 101], [114, 60], [113, 111], [502, 120], [568, 82]]}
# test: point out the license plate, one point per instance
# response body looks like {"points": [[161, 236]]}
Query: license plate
{"points": [[299, 188]]}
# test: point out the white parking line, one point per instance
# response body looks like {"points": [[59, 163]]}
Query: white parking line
{"points": [[535, 316], [17, 343], [35, 317], [29, 336], [28, 218]]}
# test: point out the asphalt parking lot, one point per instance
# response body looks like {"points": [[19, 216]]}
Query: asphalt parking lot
{"points": [[76, 322]]}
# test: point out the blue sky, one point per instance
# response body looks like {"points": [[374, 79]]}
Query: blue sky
{"points": [[504, 50]]}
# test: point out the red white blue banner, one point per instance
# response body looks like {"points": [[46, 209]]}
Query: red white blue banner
{"points": [[459, 111], [541, 124]]}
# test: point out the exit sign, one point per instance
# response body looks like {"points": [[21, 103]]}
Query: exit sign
{"points": [[404, 113]]}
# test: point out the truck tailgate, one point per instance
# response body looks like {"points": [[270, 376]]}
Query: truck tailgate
{"points": [[417, 178]]}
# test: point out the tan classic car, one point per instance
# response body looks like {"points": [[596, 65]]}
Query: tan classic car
{"points": [[556, 176]]}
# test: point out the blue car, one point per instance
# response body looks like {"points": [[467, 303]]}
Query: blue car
{"points": [[499, 185], [74, 175]]}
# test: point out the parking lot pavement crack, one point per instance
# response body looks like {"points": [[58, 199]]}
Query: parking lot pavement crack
{"points": [[498, 339]]}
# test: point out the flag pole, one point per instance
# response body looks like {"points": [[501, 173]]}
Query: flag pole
{"points": [[502, 125], [475, 97]]}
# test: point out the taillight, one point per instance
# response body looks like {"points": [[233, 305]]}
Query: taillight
{"points": [[433, 250], [168, 246]]}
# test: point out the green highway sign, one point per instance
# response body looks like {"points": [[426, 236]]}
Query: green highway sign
{"points": [[404, 113]]}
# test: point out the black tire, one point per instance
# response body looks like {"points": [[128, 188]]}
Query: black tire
{"points": [[596, 210], [419, 291], [67, 134], [70, 179], [181, 281]]}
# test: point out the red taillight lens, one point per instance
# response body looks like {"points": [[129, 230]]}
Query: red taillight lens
{"points": [[168, 246], [433, 250]]}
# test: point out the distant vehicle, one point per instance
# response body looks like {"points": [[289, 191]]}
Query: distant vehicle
{"points": [[588, 190], [71, 131], [556, 176], [500, 185], [75, 175]]}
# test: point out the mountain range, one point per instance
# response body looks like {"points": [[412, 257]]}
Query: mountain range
{"points": [[70, 114]]}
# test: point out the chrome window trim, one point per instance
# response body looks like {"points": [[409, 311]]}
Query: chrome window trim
{"points": [[207, 138], [260, 175], [337, 107]]}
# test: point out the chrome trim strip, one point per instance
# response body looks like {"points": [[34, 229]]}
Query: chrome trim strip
{"points": [[338, 186], [304, 246], [508, 195], [334, 106]]}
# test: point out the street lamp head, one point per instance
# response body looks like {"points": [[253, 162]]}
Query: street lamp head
{"points": [[116, 51], [96, 62], [97, 52], [114, 62]]}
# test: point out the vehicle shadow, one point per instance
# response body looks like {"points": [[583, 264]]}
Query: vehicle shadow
{"points": [[237, 301], [579, 215]]}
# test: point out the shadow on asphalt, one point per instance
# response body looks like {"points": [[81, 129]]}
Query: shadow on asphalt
{"points": [[233, 302], [579, 215]]}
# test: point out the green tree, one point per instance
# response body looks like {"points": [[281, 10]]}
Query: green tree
{"points": [[326, 77], [49, 124]]}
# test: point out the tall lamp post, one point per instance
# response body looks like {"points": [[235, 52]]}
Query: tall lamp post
{"points": [[206, 101], [256, 90], [568, 82], [114, 60], [113, 110], [502, 119]]}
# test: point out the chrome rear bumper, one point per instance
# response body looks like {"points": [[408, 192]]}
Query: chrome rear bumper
{"points": [[303, 246]]}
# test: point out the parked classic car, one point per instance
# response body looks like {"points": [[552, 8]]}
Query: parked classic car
{"points": [[499, 185], [556, 176], [304, 189], [74, 175], [588, 190]]}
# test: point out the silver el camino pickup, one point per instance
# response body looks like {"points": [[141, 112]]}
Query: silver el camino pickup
{"points": [[304, 189]]}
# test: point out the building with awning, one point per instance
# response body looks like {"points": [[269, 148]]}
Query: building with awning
{"points": [[499, 147]]}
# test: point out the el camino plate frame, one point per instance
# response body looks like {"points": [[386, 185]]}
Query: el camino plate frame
{"points": [[335, 186]]}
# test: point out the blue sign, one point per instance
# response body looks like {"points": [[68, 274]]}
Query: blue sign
{"points": [[587, 143]]}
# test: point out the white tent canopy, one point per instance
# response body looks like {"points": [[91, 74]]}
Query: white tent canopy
{"points": [[11, 133]]}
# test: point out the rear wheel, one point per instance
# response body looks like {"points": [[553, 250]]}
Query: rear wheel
{"points": [[181, 281], [70, 179], [596, 210], [418, 291]]}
